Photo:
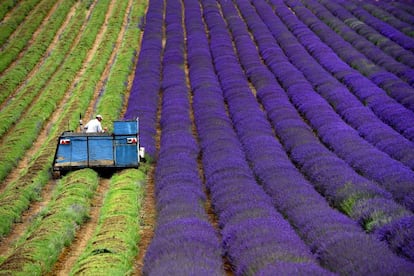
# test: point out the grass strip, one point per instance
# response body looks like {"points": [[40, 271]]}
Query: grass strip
{"points": [[16, 16], [5, 7], [113, 247], [114, 96], [17, 196], [16, 44], [93, 74], [27, 129], [55, 226], [18, 73], [51, 65]]}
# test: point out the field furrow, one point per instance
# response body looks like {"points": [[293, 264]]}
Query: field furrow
{"points": [[46, 102], [28, 93], [16, 77], [13, 14], [42, 151], [24, 32], [278, 137]]}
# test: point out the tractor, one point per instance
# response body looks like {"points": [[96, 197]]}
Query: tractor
{"points": [[104, 152]]}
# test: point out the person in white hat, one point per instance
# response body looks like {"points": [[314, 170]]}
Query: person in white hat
{"points": [[94, 125]]}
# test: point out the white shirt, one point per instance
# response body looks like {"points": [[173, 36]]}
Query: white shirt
{"points": [[93, 126]]}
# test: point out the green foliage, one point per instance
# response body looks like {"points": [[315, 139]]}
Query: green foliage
{"points": [[114, 245], [377, 218], [348, 204], [361, 206], [55, 226], [28, 128], [87, 84], [5, 6], [18, 72], [31, 180], [15, 18], [113, 98], [13, 201], [88, 3], [23, 34], [42, 160]]}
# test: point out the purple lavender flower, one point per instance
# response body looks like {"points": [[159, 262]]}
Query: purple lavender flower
{"points": [[184, 241]]}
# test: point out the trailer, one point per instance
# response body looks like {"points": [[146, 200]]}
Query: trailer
{"points": [[104, 152]]}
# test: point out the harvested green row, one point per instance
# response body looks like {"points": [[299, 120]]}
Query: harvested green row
{"points": [[5, 7], [51, 65], [55, 227], [36, 175], [23, 34], [16, 17], [101, 59], [113, 247], [27, 129], [16, 74], [114, 96]]}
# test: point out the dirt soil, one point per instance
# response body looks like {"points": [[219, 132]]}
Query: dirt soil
{"points": [[71, 253], [86, 231], [6, 244]]}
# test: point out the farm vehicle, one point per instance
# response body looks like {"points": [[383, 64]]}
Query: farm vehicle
{"points": [[104, 152]]}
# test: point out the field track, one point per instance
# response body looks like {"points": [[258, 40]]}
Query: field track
{"points": [[279, 137]]}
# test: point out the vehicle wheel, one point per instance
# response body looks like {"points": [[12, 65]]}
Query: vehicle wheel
{"points": [[56, 174]]}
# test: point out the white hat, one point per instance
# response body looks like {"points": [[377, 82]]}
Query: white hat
{"points": [[99, 116]]}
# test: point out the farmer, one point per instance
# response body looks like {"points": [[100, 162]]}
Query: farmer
{"points": [[94, 125]]}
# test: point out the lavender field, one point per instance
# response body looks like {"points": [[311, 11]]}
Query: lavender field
{"points": [[295, 120], [279, 137]]}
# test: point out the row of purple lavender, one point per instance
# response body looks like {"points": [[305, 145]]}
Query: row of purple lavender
{"points": [[317, 179], [256, 238], [184, 242], [290, 191], [380, 26], [330, 175], [378, 59], [387, 12], [396, 88], [344, 103], [343, 140], [387, 45], [403, 5], [395, 18], [385, 107], [399, 90], [144, 95]]}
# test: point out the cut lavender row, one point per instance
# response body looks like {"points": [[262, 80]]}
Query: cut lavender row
{"points": [[344, 140], [380, 26], [300, 203], [255, 236], [184, 243], [144, 96], [393, 17], [395, 87], [387, 109], [331, 175], [344, 102]]}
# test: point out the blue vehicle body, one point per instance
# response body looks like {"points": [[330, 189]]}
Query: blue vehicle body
{"points": [[120, 149]]}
